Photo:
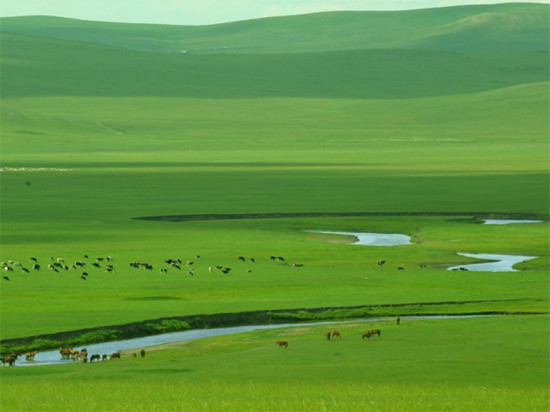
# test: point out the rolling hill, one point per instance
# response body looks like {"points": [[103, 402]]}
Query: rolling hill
{"points": [[484, 28]]}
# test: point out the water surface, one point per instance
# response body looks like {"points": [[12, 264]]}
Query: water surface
{"points": [[373, 239], [500, 263]]}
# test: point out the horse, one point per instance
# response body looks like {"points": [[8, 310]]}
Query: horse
{"points": [[30, 355], [95, 357], [375, 332], [282, 343], [134, 355], [104, 357], [366, 335], [142, 353], [65, 353], [336, 333], [115, 355]]}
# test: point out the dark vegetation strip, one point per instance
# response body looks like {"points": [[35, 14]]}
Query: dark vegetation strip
{"points": [[173, 324], [478, 216]]}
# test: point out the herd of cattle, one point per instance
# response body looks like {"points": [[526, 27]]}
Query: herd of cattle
{"points": [[58, 265], [75, 355]]}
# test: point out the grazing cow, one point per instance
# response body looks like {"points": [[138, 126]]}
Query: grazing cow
{"points": [[99, 259], [252, 260], [336, 333], [36, 266], [189, 262], [142, 353], [83, 359], [280, 258], [25, 270], [60, 260], [104, 357], [282, 344], [401, 268], [96, 265], [248, 270], [273, 257], [85, 256], [297, 265], [241, 258], [30, 355], [16, 264], [226, 270], [109, 258], [5, 278], [464, 269], [115, 355], [190, 272], [83, 277], [197, 256], [95, 357], [7, 269], [163, 271], [34, 260]]}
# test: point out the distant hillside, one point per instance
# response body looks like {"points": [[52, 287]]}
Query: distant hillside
{"points": [[487, 28], [35, 66]]}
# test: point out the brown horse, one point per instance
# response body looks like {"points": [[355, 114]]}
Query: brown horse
{"points": [[282, 343], [30, 355], [115, 355], [366, 335], [336, 333], [65, 353], [375, 332]]}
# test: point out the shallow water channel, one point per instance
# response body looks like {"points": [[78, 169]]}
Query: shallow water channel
{"points": [[508, 221], [500, 263], [373, 239], [53, 357]]}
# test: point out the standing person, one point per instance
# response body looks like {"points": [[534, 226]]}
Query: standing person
{"points": [[328, 335], [398, 320]]}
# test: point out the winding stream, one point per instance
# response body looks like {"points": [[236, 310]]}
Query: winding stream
{"points": [[500, 263], [373, 239], [54, 358]]}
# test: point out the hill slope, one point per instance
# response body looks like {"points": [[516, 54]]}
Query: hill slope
{"points": [[71, 68], [487, 28]]}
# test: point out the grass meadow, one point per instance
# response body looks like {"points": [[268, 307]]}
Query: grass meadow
{"points": [[413, 123]]}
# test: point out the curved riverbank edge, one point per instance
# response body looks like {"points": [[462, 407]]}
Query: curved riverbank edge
{"points": [[478, 216], [280, 316]]}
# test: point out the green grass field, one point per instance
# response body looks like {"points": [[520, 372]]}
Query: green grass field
{"points": [[106, 122]]}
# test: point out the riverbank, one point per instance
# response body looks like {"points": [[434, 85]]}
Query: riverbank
{"points": [[204, 321]]}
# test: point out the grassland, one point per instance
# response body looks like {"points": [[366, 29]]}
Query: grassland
{"points": [[98, 129], [488, 364]]}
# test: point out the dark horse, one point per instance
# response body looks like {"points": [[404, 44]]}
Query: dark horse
{"points": [[282, 343]]}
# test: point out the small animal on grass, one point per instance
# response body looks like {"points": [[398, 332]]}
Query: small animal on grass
{"points": [[241, 258], [30, 355], [398, 320], [84, 359], [328, 335], [142, 353], [134, 355], [336, 333], [282, 344], [400, 268], [104, 357], [5, 278], [371, 333], [95, 357], [381, 263], [115, 355]]}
